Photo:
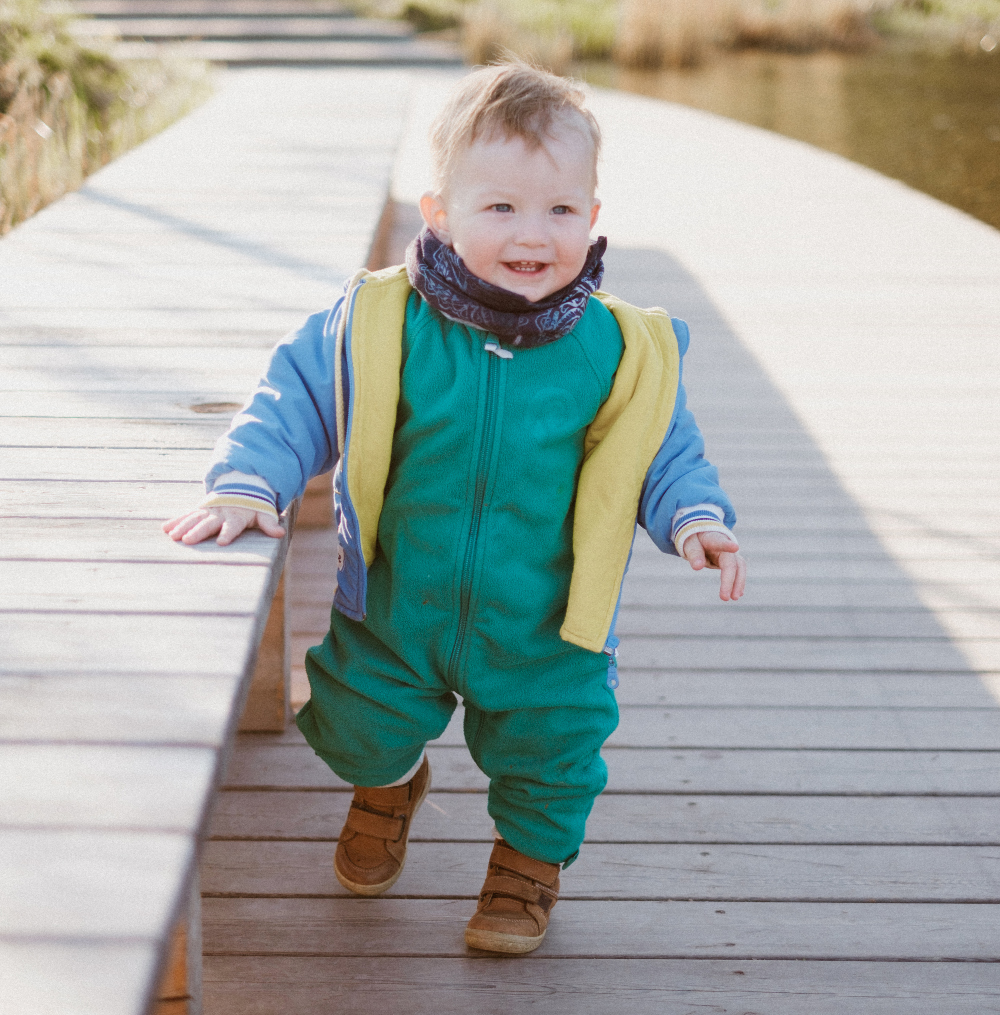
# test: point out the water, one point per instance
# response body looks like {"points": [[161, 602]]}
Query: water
{"points": [[930, 120]]}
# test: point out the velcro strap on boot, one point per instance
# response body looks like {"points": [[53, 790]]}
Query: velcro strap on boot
{"points": [[387, 797], [512, 860], [514, 888], [378, 826]]}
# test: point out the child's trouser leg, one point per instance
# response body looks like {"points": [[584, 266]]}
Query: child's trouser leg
{"points": [[370, 723], [545, 768]]}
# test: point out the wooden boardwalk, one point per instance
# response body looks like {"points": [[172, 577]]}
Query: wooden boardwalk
{"points": [[802, 813]]}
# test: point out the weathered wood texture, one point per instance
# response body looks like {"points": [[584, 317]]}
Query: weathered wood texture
{"points": [[135, 317], [801, 813]]}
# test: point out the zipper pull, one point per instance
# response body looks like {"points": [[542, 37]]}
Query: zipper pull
{"points": [[497, 349], [612, 668]]}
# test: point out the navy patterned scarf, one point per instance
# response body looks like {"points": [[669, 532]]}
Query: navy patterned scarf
{"points": [[442, 278]]}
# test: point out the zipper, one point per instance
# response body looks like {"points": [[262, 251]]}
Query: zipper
{"points": [[493, 368]]}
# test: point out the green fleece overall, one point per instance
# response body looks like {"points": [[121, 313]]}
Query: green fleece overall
{"points": [[469, 586]]}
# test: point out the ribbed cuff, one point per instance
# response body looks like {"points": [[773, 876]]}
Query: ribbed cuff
{"points": [[700, 518], [237, 489]]}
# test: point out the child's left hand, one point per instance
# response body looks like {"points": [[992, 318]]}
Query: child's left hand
{"points": [[718, 551]]}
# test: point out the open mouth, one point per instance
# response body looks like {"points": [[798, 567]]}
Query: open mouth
{"points": [[526, 267]]}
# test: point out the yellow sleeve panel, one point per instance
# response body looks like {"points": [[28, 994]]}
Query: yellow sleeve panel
{"points": [[376, 360], [620, 446]]}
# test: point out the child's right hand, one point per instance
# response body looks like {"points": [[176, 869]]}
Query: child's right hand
{"points": [[201, 523]]}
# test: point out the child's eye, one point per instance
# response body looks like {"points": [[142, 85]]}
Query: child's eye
{"points": [[502, 207], [561, 209]]}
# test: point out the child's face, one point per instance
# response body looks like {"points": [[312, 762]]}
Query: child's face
{"points": [[519, 218]]}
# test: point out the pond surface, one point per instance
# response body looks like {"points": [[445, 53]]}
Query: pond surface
{"points": [[930, 120]]}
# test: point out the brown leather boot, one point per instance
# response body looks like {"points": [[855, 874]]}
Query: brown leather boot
{"points": [[515, 902], [372, 847]]}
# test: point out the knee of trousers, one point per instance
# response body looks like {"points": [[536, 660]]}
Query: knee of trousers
{"points": [[367, 727]]}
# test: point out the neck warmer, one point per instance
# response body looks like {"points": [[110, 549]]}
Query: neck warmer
{"points": [[442, 278]]}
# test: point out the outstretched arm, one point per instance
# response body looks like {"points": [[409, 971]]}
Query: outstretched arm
{"points": [[286, 434]]}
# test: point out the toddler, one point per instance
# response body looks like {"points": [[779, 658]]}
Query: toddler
{"points": [[498, 426]]}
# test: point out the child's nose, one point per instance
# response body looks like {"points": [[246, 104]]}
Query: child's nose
{"points": [[533, 232]]}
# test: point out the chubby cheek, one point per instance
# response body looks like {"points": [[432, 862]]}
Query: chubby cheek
{"points": [[477, 259], [481, 249]]}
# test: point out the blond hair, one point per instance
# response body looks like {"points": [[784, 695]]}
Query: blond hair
{"points": [[513, 99]]}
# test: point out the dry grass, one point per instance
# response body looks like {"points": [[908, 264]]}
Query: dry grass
{"points": [[66, 110], [679, 33]]}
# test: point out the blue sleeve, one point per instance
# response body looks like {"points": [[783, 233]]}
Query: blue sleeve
{"points": [[679, 475], [287, 432]]}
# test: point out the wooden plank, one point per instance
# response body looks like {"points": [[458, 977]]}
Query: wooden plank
{"points": [[92, 708], [278, 869], [153, 26], [180, 987], [216, 8], [144, 464], [743, 930], [172, 994], [683, 591], [718, 619], [67, 643], [764, 689], [95, 499], [81, 369], [65, 334], [117, 404], [843, 728], [347, 52], [127, 540], [261, 765], [303, 986], [128, 588], [85, 977], [250, 814], [267, 706], [786, 653], [761, 518], [104, 786], [199, 434], [90, 884]]}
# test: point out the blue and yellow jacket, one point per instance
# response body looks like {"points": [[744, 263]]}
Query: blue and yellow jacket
{"points": [[642, 455]]}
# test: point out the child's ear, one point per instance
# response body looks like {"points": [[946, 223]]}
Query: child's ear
{"points": [[594, 212], [436, 216]]}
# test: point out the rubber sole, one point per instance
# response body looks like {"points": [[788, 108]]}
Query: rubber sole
{"points": [[384, 886], [508, 944]]}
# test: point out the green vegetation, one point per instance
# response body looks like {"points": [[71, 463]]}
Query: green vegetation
{"points": [[67, 109]]}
